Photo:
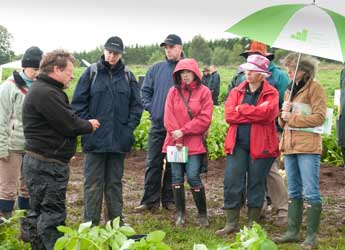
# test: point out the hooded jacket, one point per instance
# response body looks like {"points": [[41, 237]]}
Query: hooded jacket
{"points": [[12, 93], [115, 102], [263, 134], [176, 116]]}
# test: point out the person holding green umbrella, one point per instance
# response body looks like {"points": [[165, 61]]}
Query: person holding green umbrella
{"points": [[304, 107]]}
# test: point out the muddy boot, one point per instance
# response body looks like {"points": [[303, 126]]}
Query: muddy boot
{"points": [[313, 222], [178, 191], [295, 214], [200, 202], [253, 215], [231, 226]]}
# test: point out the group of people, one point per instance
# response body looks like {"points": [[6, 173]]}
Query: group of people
{"points": [[39, 129], [211, 78]]}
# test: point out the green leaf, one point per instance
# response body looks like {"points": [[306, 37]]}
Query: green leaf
{"points": [[66, 230], [127, 230], [268, 245], [199, 247], [60, 243], [155, 236], [84, 226], [116, 223]]}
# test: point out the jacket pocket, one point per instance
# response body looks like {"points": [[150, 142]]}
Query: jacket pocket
{"points": [[305, 142]]}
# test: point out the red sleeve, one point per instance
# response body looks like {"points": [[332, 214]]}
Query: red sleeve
{"points": [[231, 115], [170, 122], [200, 123], [261, 114]]}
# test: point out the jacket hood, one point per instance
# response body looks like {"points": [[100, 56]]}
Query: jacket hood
{"points": [[187, 64]]}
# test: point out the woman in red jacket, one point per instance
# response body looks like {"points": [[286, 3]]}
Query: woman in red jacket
{"points": [[187, 117], [251, 143]]}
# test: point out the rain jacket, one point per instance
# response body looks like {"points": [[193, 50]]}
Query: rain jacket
{"points": [[157, 82], [12, 93], [299, 142], [263, 134], [176, 116], [114, 101]]}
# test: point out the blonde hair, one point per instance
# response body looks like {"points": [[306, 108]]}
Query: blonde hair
{"points": [[307, 64]]}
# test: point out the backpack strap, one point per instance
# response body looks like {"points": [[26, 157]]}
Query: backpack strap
{"points": [[93, 73]]}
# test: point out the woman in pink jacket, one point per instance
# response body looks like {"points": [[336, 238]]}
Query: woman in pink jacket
{"points": [[187, 117]]}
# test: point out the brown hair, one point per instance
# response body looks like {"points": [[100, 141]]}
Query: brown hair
{"points": [[307, 64], [58, 58]]}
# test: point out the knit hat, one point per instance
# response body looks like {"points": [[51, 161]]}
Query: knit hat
{"points": [[114, 44], [32, 57], [258, 48], [256, 63]]}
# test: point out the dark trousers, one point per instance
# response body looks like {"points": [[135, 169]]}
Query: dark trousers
{"points": [[47, 185], [103, 174], [238, 165], [156, 189]]}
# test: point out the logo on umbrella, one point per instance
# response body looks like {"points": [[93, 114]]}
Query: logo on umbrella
{"points": [[301, 36]]}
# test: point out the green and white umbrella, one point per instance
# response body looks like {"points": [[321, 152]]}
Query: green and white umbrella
{"points": [[308, 29]]}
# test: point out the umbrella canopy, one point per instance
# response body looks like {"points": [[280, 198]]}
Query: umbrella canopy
{"points": [[307, 29]]}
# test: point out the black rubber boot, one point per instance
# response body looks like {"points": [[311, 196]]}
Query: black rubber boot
{"points": [[180, 204], [200, 202]]}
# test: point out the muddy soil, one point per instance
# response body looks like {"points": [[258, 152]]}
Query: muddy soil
{"points": [[332, 185]]}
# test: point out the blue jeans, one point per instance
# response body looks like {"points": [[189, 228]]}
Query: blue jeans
{"points": [[238, 165], [303, 171], [103, 176], [192, 170]]}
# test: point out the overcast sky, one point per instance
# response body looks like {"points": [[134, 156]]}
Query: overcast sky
{"points": [[83, 25]]}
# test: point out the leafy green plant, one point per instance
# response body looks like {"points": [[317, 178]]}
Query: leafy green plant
{"points": [[247, 239], [112, 236], [153, 241], [9, 232]]}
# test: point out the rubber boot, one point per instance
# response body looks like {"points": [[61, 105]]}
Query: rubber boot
{"points": [[200, 202], [231, 226], [253, 215], [295, 215], [180, 204], [313, 222]]}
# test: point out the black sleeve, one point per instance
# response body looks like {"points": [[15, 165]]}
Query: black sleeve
{"points": [[61, 117]]}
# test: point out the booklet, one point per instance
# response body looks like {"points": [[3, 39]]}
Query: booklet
{"points": [[175, 155], [305, 109]]}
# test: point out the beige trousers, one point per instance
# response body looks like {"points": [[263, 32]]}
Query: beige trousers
{"points": [[277, 189], [11, 178]]}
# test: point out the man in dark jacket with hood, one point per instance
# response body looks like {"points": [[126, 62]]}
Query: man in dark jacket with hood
{"points": [[50, 128], [157, 82], [111, 94]]}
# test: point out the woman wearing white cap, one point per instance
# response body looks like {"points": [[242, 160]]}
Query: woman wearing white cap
{"points": [[251, 142]]}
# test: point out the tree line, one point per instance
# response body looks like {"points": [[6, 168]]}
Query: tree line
{"points": [[218, 52]]}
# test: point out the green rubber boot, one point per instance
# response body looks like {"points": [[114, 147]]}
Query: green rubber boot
{"points": [[313, 222], [231, 226]]}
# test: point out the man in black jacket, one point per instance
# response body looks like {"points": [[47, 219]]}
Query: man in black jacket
{"points": [[50, 129]]}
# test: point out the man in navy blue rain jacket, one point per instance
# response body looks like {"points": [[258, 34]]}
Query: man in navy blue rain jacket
{"points": [[112, 95], [157, 82]]}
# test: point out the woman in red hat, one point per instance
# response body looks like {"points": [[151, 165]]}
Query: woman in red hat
{"points": [[187, 117]]}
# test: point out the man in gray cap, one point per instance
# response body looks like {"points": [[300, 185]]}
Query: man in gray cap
{"points": [[157, 82], [109, 91]]}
